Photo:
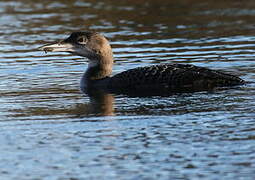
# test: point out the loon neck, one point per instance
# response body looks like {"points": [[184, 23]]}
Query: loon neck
{"points": [[99, 68]]}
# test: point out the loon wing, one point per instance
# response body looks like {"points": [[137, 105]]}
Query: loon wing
{"points": [[171, 77]]}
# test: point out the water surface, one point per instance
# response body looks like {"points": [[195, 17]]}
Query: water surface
{"points": [[50, 130]]}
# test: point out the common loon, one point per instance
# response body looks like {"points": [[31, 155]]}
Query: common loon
{"points": [[166, 78]]}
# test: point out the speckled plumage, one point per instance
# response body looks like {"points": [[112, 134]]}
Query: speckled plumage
{"points": [[171, 78]]}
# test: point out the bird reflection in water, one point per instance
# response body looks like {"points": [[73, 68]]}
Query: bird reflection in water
{"points": [[101, 103]]}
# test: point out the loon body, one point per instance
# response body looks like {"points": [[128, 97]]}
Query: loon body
{"points": [[165, 78]]}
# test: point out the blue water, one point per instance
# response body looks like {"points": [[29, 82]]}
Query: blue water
{"points": [[51, 130]]}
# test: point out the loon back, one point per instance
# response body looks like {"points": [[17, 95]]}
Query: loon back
{"points": [[171, 78]]}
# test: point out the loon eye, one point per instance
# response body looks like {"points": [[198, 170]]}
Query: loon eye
{"points": [[82, 40]]}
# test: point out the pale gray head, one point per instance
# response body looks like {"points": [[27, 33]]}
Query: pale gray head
{"points": [[91, 45]]}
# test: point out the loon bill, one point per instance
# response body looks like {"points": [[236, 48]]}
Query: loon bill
{"points": [[169, 78]]}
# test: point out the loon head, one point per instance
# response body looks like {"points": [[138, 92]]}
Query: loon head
{"points": [[91, 45]]}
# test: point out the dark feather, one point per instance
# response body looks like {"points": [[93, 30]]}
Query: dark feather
{"points": [[171, 78]]}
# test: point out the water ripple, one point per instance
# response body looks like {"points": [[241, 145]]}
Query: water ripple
{"points": [[47, 124]]}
